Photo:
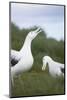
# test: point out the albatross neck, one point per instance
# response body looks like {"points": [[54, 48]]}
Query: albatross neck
{"points": [[49, 61], [26, 45]]}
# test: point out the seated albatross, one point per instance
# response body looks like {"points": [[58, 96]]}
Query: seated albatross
{"points": [[55, 68]]}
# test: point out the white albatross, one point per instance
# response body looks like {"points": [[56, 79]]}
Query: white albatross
{"points": [[55, 68], [23, 60]]}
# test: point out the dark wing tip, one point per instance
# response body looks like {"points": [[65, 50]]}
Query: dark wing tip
{"points": [[63, 70], [14, 62]]}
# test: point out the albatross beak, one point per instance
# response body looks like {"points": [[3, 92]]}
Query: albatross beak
{"points": [[38, 30], [43, 67]]}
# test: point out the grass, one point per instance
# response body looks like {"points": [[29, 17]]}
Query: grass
{"points": [[35, 82]]}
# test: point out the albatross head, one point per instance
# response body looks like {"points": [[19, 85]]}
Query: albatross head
{"points": [[33, 34], [46, 60]]}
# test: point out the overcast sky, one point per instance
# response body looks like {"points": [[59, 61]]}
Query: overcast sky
{"points": [[49, 17]]}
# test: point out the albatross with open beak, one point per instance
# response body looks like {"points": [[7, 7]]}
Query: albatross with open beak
{"points": [[22, 60]]}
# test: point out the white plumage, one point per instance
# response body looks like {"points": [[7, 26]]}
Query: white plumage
{"points": [[24, 59], [55, 68], [14, 54]]}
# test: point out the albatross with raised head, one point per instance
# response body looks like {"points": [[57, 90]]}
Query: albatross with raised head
{"points": [[22, 60]]}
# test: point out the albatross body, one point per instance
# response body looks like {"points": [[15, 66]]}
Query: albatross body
{"points": [[23, 58], [55, 68]]}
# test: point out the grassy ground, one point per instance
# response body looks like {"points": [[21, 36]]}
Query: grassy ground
{"points": [[35, 82]]}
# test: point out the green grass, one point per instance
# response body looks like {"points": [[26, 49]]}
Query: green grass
{"points": [[36, 82]]}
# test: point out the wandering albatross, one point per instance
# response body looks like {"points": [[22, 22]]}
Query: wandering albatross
{"points": [[22, 60], [55, 68]]}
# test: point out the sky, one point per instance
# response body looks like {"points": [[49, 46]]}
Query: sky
{"points": [[48, 17]]}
